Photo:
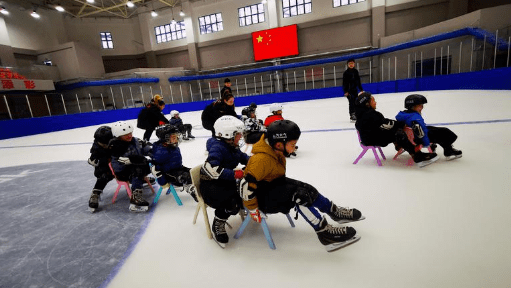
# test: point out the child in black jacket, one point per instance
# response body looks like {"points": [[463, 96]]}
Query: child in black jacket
{"points": [[100, 156]]}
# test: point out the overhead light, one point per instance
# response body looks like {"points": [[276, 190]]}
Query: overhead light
{"points": [[182, 14], [4, 11], [130, 4], [264, 1], [60, 8], [154, 14], [90, 1], [35, 15], [173, 21]]}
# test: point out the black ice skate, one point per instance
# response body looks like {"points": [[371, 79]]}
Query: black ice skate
{"points": [[137, 202], [219, 234], [190, 189], [334, 238], [95, 196], [424, 159], [450, 153], [343, 215]]}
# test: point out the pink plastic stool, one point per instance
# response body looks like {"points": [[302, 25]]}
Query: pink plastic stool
{"points": [[409, 134], [126, 185], [364, 150]]}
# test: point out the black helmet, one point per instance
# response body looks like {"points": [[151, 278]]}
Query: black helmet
{"points": [[282, 131], [163, 132], [247, 110], [364, 98], [253, 105], [414, 99], [103, 134]]}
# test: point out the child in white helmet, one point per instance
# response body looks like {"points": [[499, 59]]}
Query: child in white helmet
{"points": [[130, 161], [185, 129], [218, 174], [276, 114]]}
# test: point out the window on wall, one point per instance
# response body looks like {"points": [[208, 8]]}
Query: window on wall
{"points": [[252, 14], [170, 32], [106, 40], [211, 23], [292, 8], [338, 3]]}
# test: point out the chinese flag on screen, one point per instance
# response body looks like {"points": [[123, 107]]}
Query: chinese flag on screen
{"points": [[274, 43]]}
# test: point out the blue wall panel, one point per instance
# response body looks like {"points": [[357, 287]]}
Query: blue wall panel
{"points": [[496, 79]]}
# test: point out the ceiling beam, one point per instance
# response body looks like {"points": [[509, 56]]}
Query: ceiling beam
{"points": [[107, 9]]}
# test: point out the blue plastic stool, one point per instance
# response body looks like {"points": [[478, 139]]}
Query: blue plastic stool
{"points": [[171, 189], [266, 230]]}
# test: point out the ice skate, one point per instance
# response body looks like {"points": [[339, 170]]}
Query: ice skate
{"points": [[343, 215], [450, 153], [94, 199], [190, 189], [219, 234], [424, 159], [137, 202], [334, 238]]}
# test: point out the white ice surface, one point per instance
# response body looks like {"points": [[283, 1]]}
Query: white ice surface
{"points": [[445, 225]]}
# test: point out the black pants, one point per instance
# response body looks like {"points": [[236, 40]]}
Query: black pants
{"points": [[223, 196], [147, 134], [277, 196], [103, 175], [135, 174], [178, 177], [185, 129], [352, 97], [441, 136]]}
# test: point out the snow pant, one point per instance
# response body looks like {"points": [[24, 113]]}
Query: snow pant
{"points": [[282, 194], [352, 98], [178, 177], [135, 174], [147, 134], [441, 136], [103, 175], [185, 129], [223, 196]]}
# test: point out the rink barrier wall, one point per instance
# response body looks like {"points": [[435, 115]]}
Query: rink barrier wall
{"points": [[496, 79]]}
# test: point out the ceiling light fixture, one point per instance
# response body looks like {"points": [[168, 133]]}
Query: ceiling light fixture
{"points": [[154, 14], [35, 15], [130, 4], [264, 2], [90, 1], [4, 11], [181, 13], [60, 8], [173, 21]]}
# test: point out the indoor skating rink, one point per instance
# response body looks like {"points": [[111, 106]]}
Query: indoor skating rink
{"points": [[445, 225]]}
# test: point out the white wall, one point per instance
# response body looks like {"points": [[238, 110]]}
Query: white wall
{"points": [[126, 34], [26, 32]]}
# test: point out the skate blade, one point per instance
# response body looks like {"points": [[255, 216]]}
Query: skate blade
{"points": [[344, 221], [135, 208], [426, 163], [92, 210], [337, 246], [449, 158], [222, 245]]}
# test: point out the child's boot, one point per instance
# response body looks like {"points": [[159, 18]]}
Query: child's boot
{"points": [[451, 153], [334, 238], [424, 159], [219, 233], [95, 196], [190, 189], [137, 202], [344, 215]]}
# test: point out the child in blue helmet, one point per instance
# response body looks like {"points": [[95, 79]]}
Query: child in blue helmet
{"points": [[425, 134]]}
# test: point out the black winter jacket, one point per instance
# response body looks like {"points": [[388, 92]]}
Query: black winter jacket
{"points": [[150, 117], [214, 111], [351, 81], [374, 128]]}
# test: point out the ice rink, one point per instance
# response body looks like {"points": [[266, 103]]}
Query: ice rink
{"points": [[445, 225]]}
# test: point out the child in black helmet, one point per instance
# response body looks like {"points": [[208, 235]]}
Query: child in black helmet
{"points": [[100, 155], [266, 188], [425, 134], [376, 130]]}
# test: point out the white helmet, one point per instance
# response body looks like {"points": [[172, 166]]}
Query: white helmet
{"points": [[121, 128], [227, 126], [173, 113], [275, 107]]}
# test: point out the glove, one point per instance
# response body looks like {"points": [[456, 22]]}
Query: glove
{"points": [[124, 160], [137, 159], [94, 162], [346, 94], [238, 174], [255, 215], [155, 172]]}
